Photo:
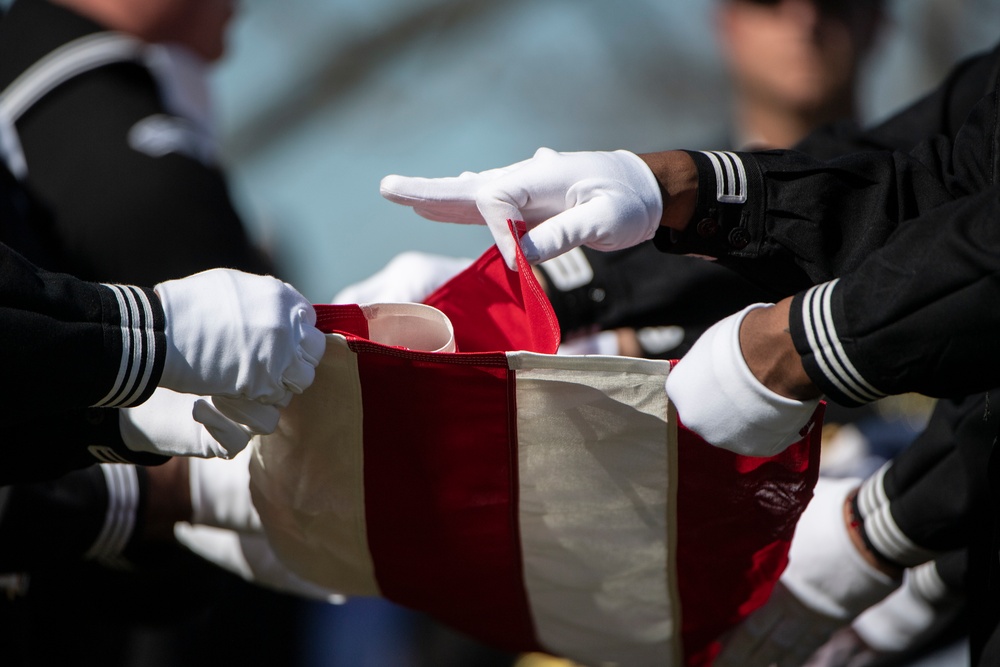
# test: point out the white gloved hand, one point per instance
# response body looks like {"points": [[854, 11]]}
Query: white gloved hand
{"points": [[239, 335], [603, 200], [718, 397], [177, 424], [220, 494], [251, 557], [896, 624], [408, 277], [902, 619], [826, 584], [602, 342]]}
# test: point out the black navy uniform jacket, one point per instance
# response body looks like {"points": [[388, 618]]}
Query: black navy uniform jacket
{"points": [[121, 188]]}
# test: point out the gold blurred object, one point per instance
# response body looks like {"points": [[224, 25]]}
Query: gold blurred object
{"points": [[914, 408], [542, 660]]}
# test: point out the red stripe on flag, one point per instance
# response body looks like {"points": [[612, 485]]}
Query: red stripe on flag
{"points": [[342, 318], [441, 489], [735, 519]]}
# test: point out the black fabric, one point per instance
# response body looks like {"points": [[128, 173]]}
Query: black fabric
{"points": [[94, 191], [935, 485], [61, 339], [54, 523], [642, 287]]}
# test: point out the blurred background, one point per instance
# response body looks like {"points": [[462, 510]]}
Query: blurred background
{"points": [[317, 100]]}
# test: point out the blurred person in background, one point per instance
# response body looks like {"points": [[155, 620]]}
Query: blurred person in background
{"points": [[107, 127]]}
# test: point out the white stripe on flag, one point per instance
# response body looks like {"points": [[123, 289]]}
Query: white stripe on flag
{"points": [[319, 484], [595, 461]]}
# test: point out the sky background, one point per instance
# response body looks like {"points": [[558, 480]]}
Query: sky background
{"points": [[317, 100]]}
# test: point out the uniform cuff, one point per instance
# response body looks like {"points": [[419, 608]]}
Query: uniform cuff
{"points": [[727, 182], [817, 332]]}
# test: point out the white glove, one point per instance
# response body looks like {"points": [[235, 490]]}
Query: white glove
{"points": [[718, 397], [826, 584], [220, 494], [606, 201], [250, 556], [602, 342], [894, 625], [183, 425], [239, 335], [903, 618], [408, 277]]}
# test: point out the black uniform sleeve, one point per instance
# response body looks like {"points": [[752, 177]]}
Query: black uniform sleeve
{"points": [[67, 343], [126, 193], [95, 513], [903, 241], [67, 346], [921, 314], [924, 502]]}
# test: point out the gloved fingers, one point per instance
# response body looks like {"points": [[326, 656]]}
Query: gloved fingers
{"points": [[226, 438], [589, 223], [439, 199], [313, 342], [499, 223], [255, 417], [298, 375], [415, 190]]}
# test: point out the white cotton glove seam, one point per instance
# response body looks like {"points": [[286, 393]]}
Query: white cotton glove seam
{"points": [[718, 397]]}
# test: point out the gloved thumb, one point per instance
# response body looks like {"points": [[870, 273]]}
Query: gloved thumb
{"points": [[228, 437]]}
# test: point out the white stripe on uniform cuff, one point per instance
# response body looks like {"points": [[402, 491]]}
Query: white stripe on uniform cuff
{"points": [[120, 518], [730, 177], [138, 347], [872, 495], [928, 583], [832, 359], [889, 540]]}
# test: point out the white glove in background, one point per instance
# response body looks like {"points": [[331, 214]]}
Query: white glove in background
{"points": [[602, 342], [408, 277], [827, 583], [718, 397], [176, 424], [604, 200], [239, 335], [903, 618], [220, 494], [250, 556], [225, 528], [896, 624]]}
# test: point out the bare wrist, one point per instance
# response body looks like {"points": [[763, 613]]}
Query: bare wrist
{"points": [[678, 178], [854, 527], [771, 355]]}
